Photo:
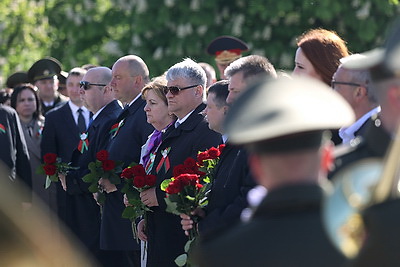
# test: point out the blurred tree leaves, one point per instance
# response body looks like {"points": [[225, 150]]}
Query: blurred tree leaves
{"points": [[163, 32]]}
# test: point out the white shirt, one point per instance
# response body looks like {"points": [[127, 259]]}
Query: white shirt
{"points": [[347, 133], [224, 138], [85, 112], [97, 113], [139, 95], [180, 121]]}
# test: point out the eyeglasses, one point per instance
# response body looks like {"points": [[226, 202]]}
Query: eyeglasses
{"points": [[86, 85], [333, 83], [175, 90]]}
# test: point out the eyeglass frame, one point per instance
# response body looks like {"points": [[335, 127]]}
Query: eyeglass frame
{"points": [[86, 85], [176, 89], [344, 83]]}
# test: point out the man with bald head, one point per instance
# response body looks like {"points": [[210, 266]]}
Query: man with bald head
{"points": [[129, 132], [83, 213]]}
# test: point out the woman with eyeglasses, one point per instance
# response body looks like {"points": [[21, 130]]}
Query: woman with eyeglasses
{"points": [[25, 101], [160, 118]]}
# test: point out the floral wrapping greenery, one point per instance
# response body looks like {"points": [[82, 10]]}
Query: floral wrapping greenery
{"points": [[189, 189], [136, 181], [105, 168], [52, 167]]}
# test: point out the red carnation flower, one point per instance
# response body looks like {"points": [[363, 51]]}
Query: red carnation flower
{"points": [[150, 180], [214, 153], [138, 170], [202, 157], [102, 155], [190, 163], [188, 179], [139, 181], [127, 173], [174, 187], [50, 169], [178, 170], [108, 165], [50, 158]]}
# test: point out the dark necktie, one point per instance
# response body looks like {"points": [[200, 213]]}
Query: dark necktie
{"points": [[81, 122]]}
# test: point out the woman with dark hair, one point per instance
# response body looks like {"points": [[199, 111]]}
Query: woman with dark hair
{"points": [[318, 54], [25, 101]]}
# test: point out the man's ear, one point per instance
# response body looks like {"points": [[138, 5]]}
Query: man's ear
{"points": [[138, 80], [359, 93], [226, 108]]}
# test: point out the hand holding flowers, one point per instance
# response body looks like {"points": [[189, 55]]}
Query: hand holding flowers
{"points": [[188, 190], [137, 183], [103, 173], [53, 167]]}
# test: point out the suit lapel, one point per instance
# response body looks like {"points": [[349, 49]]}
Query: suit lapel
{"points": [[189, 124]]}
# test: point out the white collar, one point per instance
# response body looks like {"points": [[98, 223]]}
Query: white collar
{"points": [[347, 133]]}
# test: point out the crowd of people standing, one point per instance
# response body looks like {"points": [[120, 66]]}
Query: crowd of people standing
{"points": [[279, 131]]}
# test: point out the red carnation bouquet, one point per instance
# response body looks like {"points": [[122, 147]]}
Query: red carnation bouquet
{"points": [[189, 189], [103, 167], [52, 167], [136, 181]]}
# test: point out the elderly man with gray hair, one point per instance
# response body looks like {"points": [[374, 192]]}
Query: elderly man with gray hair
{"points": [[356, 88], [186, 81]]}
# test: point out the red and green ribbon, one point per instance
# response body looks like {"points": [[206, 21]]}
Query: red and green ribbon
{"points": [[115, 128], [83, 143], [2, 128], [164, 161]]}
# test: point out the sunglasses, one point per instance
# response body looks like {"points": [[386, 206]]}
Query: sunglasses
{"points": [[86, 85], [175, 90], [333, 83]]}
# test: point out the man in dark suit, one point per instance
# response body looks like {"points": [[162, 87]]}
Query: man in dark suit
{"points": [[189, 135], [44, 75], [63, 130], [83, 213], [130, 131], [14, 153], [355, 86], [286, 144], [231, 178]]}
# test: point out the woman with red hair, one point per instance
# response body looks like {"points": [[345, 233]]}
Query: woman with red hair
{"points": [[318, 54]]}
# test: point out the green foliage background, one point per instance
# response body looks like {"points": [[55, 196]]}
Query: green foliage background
{"points": [[163, 32]]}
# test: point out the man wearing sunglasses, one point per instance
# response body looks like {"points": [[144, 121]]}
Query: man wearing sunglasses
{"points": [[129, 75], [190, 133], [83, 213], [63, 129], [356, 88]]}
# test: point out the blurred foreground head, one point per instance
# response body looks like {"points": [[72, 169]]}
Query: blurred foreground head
{"points": [[27, 238]]}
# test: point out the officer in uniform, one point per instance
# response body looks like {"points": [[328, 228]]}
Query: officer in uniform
{"points": [[283, 125], [17, 78], [43, 74], [226, 49]]}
